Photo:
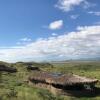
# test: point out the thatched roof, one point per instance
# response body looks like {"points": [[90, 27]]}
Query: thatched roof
{"points": [[7, 69], [61, 79], [30, 67]]}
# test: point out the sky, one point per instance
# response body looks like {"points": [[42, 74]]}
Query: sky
{"points": [[49, 30]]}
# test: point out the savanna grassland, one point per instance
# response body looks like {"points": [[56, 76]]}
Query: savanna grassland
{"points": [[14, 86]]}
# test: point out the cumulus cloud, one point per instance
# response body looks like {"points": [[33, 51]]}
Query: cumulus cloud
{"points": [[68, 5], [56, 25], [96, 13], [82, 43]]}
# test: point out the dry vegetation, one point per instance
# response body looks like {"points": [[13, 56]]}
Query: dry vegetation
{"points": [[13, 86]]}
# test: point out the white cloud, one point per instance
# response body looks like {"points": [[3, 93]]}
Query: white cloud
{"points": [[87, 4], [97, 23], [24, 41], [97, 13], [68, 5], [82, 43], [74, 16], [56, 25], [54, 34]]}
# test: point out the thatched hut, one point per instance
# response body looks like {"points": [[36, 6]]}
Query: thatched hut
{"points": [[30, 67], [5, 68], [63, 81]]}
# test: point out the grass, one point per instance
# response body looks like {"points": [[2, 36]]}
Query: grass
{"points": [[13, 87]]}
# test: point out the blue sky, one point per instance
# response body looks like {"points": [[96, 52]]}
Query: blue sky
{"points": [[32, 22]]}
